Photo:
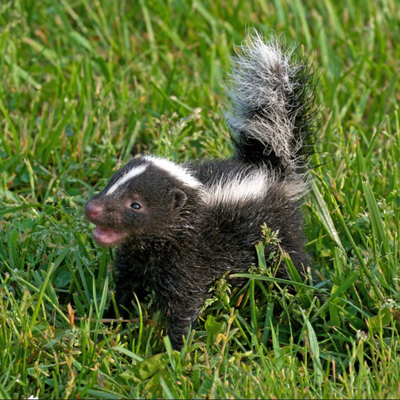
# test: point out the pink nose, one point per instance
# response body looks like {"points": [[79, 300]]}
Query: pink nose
{"points": [[93, 211]]}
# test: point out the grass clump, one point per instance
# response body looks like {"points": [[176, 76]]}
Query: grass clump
{"points": [[84, 85]]}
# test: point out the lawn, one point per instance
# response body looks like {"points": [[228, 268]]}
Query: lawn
{"points": [[86, 85]]}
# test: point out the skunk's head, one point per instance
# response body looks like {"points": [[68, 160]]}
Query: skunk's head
{"points": [[146, 198]]}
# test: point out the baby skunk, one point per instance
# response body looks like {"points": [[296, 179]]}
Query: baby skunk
{"points": [[178, 228]]}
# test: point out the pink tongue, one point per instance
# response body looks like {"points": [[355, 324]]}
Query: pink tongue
{"points": [[108, 237]]}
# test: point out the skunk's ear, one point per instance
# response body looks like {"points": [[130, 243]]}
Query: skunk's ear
{"points": [[178, 198]]}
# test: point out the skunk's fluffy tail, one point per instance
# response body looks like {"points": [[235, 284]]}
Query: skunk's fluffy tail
{"points": [[272, 116]]}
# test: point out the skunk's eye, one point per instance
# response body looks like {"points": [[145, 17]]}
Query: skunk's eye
{"points": [[136, 206]]}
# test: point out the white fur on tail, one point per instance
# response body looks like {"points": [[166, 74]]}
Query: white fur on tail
{"points": [[262, 79]]}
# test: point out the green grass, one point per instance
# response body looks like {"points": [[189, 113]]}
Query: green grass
{"points": [[81, 84]]}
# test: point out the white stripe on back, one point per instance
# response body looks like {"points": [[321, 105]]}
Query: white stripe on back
{"points": [[239, 188]]}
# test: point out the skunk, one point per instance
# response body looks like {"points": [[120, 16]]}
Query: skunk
{"points": [[179, 227]]}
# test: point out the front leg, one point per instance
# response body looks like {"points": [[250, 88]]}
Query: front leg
{"points": [[131, 277], [181, 299]]}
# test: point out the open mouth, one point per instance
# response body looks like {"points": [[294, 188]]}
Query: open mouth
{"points": [[107, 237]]}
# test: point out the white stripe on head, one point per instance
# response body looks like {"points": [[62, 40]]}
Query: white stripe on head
{"points": [[135, 171], [178, 172], [239, 188]]}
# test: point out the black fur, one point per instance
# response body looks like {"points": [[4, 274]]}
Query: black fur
{"points": [[188, 233]]}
